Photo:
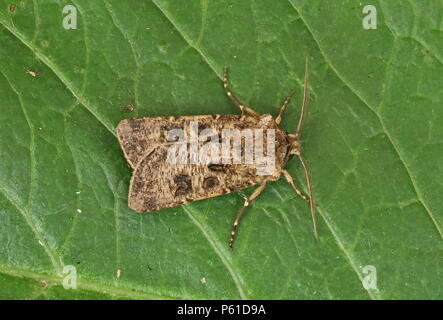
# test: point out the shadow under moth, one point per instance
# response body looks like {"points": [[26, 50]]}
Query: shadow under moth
{"points": [[176, 160]]}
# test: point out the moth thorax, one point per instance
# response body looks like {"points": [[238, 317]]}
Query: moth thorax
{"points": [[294, 144]]}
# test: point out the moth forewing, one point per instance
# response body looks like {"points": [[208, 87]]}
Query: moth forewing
{"points": [[158, 184]]}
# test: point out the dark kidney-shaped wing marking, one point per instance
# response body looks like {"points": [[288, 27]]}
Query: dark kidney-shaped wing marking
{"points": [[156, 185]]}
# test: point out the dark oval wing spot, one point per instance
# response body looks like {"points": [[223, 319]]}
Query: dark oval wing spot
{"points": [[210, 182], [183, 184], [170, 126]]}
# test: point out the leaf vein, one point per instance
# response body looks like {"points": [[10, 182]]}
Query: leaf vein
{"points": [[55, 260]]}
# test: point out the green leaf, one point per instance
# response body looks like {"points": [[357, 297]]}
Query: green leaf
{"points": [[373, 140]]}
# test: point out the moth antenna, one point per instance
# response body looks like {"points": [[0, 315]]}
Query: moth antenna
{"points": [[311, 194], [305, 100]]}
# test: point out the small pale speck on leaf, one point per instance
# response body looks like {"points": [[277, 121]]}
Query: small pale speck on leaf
{"points": [[129, 108], [44, 284], [77, 192], [118, 273], [203, 280], [163, 48], [41, 243], [79, 211], [79, 70], [32, 73]]}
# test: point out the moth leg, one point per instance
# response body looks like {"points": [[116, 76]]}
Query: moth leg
{"points": [[283, 106], [234, 99], [248, 202], [292, 183]]}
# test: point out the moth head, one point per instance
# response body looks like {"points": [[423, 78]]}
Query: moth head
{"points": [[294, 144]]}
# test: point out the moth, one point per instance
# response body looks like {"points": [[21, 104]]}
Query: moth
{"points": [[158, 183]]}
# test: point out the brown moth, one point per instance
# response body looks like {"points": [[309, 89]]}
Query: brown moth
{"points": [[157, 184]]}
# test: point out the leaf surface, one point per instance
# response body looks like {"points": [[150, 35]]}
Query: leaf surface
{"points": [[373, 139]]}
